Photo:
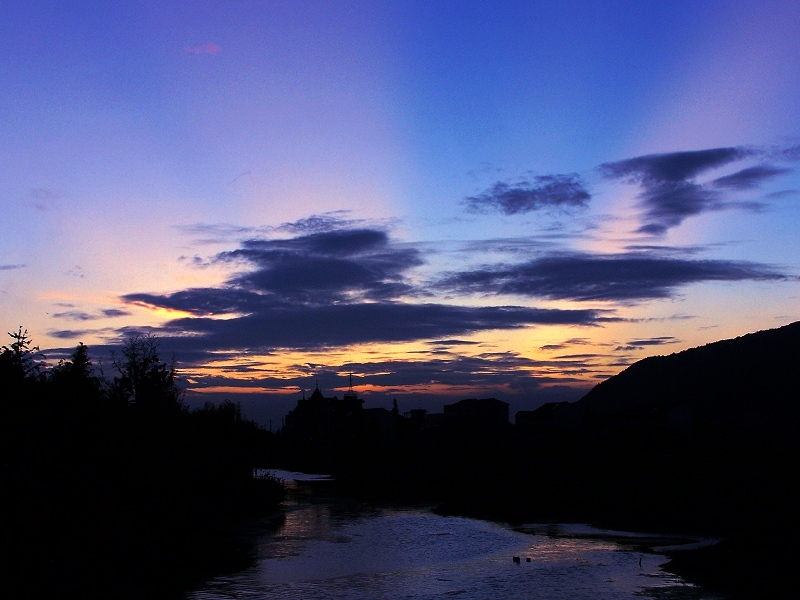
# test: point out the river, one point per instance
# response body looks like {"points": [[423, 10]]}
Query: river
{"points": [[326, 547]]}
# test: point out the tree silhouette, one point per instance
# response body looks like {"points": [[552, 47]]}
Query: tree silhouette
{"points": [[143, 380], [75, 378], [17, 361]]}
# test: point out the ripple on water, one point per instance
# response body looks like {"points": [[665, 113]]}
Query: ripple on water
{"points": [[324, 553]]}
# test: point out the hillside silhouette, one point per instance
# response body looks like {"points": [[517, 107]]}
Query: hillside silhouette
{"points": [[728, 416], [749, 381]]}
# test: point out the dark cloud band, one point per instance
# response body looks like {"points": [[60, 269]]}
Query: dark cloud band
{"points": [[619, 278], [304, 327]]}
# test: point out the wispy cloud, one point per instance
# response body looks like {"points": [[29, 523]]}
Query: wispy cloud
{"points": [[75, 315], [750, 178], [322, 223], [669, 193], [43, 199], [206, 48], [781, 194], [546, 192], [12, 267], [217, 233], [79, 315], [452, 342], [790, 153], [566, 344], [673, 166], [71, 334], [220, 233], [641, 344]]}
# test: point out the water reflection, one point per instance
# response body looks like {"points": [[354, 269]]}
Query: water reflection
{"points": [[328, 548]]}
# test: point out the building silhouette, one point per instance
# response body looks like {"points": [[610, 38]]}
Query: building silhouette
{"points": [[319, 417]]}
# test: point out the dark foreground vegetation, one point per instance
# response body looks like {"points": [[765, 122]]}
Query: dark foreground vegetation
{"points": [[114, 487], [703, 442]]}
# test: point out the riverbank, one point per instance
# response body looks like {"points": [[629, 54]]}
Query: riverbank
{"points": [[127, 561], [744, 566]]}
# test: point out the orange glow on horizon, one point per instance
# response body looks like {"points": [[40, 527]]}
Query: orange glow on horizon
{"points": [[228, 389]]}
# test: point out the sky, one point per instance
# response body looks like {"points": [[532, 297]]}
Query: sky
{"points": [[444, 199]]}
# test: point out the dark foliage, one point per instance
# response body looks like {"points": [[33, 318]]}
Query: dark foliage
{"points": [[115, 488]]}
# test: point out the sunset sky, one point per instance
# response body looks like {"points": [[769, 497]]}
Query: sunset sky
{"points": [[445, 199]]}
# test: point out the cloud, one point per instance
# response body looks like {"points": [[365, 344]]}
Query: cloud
{"points": [[76, 271], [69, 334], [75, 315], [617, 277], [521, 245], [501, 374], [566, 344], [329, 289], [791, 153], [673, 166], [207, 48], [341, 325], [545, 192], [216, 233], [78, 315], [780, 195], [325, 267], [669, 193], [12, 267], [452, 342], [750, 178], [342, 287], [641, 344], [502, 369], [205, 301], [322, 223], [43, 198]]}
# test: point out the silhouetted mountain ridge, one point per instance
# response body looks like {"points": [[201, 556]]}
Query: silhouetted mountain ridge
{"points": [[740, 381]]}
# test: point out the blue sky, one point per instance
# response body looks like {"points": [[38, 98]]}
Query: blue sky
{"points": [[512, 199]]}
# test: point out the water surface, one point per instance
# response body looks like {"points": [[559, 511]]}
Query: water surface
{"points": [[329, 548]]}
